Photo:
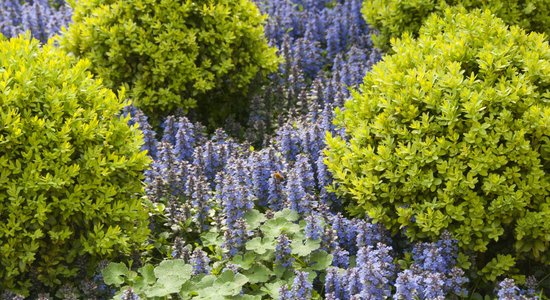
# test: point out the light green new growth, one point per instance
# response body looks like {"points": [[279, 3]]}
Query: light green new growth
{"points": [[452, 132], [70, 168], [392, 18]]}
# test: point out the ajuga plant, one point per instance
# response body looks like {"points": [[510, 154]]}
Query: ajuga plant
{"points": [[71, 169], [326, 48], [262, 255], [391, 18], [43, 18], [174, 55], [452, 133]]}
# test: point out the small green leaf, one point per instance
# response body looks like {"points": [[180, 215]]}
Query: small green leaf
{"points": [[259, 245], [148, 274], [320, 260], [273, 288], [279, 270], [206, 281], [245, 261], [114, 274], [171, 274], [258, 273], [305, 248], [227, 284], [173, 268], [254, 218], [498, 266], [287, 214], [276, 226], [211, 238]]}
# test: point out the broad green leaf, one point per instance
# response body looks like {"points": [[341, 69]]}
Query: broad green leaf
{"points": [[148, 274], [279, 270], [205, 282], [276, 226], [258, 273], [227, 284], [288, 214], [211, 238], [248, 297], [272, 288], [171, 274], [320, 260], [259, 245], [304, 248], [170, 285], [245, 261], [175, 268], [254, 218], [114, 274]]}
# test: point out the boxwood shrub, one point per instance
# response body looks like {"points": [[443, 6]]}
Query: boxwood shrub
{"points": [[394, 17], [174, 54], [452, 132], [70, 169]]}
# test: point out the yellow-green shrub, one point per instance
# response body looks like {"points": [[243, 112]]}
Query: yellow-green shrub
{"points": [[391, 18], [452, 132], [174, 54], [70, 168]]}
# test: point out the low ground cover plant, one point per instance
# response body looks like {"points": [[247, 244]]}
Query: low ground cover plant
{"points": [[43, 18]]}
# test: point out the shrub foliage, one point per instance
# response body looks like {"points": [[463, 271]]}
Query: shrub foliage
{"points": [[70, 168], [174, 54], [394, 17], [452, 133]]}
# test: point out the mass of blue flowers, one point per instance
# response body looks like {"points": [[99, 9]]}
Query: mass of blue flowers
{"points": [[202, 180]]}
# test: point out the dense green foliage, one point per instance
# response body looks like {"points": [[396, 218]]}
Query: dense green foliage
{"points": [[70, 168], [174, 55], [394, 17], [452, 132]]}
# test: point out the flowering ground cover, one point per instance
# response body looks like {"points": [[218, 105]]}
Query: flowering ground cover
{"points": [[248, 211]]}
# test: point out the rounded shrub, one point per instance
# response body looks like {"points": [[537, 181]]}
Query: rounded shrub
{"points": [[174, 54], [391, 18], [70, 169], [452, 132]]}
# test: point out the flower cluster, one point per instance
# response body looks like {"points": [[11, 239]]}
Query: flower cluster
{"points": [[282, 252], [42, 19]]}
